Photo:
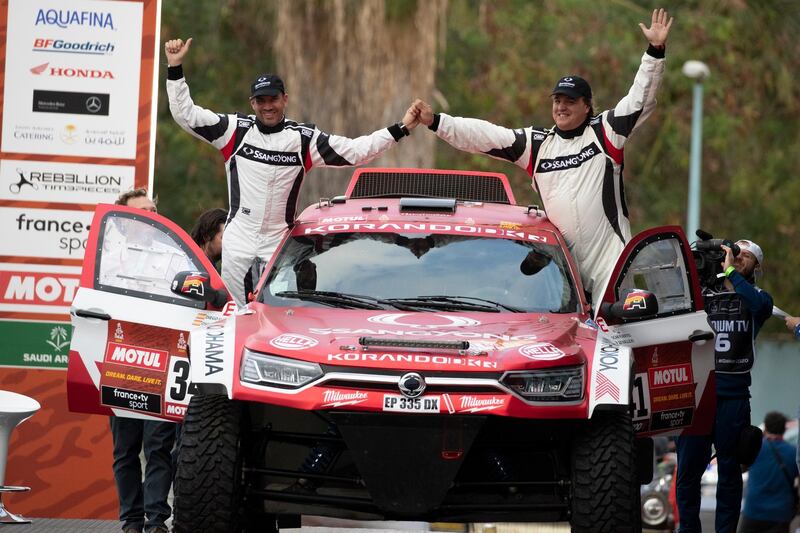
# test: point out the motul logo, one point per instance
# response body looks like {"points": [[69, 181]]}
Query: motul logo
{"points": [[136, 356], [38, 288], [69, 72], [667, 376]]}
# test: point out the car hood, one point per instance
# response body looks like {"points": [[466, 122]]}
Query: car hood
{"points": [[497, 341]]}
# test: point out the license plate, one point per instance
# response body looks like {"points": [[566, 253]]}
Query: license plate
{"points": [[400, 404]]}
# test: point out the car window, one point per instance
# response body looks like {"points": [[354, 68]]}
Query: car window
{"points": [[660, 267], [524, 275], [139, 257]]}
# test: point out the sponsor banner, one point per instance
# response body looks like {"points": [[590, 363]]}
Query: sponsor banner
{"points": [[399, 359], [673, 397], [72, 103], [71, 183], [213, 352], [666, 381], [672, 419], [35, 344], [44, 233], [473, 403], [136, 356], [293, 341], [144, 365], [423, 321], [424, 227], [543, 351], [130, 399], [340, 398], [669, 376], [37, 288], [499, 340], [76, 71], [610, 374]]}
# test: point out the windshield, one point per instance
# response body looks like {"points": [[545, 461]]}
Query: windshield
{"points": [[392, 268]]}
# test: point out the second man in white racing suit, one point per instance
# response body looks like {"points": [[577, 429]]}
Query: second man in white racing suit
{"points": [[576, 166]]}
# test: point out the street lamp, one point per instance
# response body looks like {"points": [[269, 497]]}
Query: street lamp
{"points": [[698, 71]]}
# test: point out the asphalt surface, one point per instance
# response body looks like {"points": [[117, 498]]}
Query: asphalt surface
{"points": [[319, 525]]}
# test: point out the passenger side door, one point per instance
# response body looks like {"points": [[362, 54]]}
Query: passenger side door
{"points": [[673, 348]]}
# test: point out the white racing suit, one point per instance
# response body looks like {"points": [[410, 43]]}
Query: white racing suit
{"points": [[265, 168], [578, 174]]}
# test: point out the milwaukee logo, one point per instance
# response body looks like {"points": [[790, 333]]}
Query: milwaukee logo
{"points": [[474, 404], [136, 356], [667, 376], [335, 398]]}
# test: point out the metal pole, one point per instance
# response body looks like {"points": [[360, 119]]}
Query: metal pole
{"points": [[695, 156]]}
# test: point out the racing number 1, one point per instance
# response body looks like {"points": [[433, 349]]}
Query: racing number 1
{"points": [[640, 403]]}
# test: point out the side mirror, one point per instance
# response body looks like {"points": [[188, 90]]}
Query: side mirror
{"points": [[637, 303], [197, 286]]}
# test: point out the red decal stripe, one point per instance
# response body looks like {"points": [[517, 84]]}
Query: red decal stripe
{"points": [[613, 151], [227, 150]]}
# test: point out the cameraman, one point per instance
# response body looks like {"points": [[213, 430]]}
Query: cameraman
{"points": [[736, 314]]}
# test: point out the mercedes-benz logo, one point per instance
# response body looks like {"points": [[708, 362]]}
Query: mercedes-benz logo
{"points": [[411, 385], [93, 104]]}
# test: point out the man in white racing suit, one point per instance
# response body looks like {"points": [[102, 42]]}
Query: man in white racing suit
{"points": [[576, 166], [266, 158]]}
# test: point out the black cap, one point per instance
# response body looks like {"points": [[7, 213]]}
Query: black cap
{"points": [[573, 86], [267, 85]]}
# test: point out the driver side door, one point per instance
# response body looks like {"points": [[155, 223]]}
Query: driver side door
{"points": [[673, 346], [131, 319]]}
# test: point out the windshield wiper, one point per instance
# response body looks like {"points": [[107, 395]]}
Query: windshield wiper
{"points": [[456, 303], [335, 299]]}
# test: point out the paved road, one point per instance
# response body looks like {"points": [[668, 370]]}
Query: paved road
{"points": [[317, 525]]}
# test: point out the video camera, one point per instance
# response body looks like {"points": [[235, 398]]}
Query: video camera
{"points": [[708, 257]]}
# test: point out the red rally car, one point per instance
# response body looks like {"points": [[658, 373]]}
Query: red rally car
{"points": [[420, 348]]}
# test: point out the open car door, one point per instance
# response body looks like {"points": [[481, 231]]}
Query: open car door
{"points": [[653, 303], [144, 285]]}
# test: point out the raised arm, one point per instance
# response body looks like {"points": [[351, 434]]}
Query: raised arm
{"points": [[481, 137], [215, 129], [640, 101], [328, 150]]}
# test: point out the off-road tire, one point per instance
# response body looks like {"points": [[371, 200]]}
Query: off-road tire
{"points": [[208, 484], [605, 487]]}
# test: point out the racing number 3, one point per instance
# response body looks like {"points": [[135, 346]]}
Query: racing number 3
{"points": [[180, 377]]}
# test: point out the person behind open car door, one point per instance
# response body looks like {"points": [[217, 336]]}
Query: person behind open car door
{"points": [[139, 500], [736, 314]]}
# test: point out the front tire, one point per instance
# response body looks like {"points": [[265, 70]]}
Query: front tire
{"points": [[605, 484], [208, 484]]}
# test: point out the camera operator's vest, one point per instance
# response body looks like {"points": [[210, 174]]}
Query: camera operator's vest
{"points": [[732, 322]]}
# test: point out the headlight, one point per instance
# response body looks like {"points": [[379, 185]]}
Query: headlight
{"points": [[551, 385], [263, 369]]}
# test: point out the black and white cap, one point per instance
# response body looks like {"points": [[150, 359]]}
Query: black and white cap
{"points": [[267, 85], [573, 86]]}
